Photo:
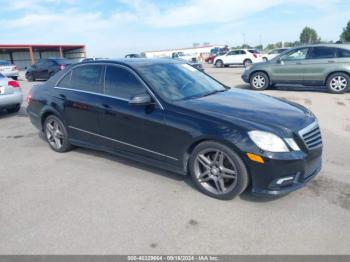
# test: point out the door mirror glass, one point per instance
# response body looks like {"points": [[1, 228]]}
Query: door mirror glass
{"points": [[141, 100]]}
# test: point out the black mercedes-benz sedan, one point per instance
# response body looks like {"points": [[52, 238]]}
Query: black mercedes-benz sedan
{"points": [[168, 114]]}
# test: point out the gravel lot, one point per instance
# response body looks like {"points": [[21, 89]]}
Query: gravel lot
{"points": [[88, 202]]}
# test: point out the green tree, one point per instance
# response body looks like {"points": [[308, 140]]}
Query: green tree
{"points": [[345, 36], [308, 36]]}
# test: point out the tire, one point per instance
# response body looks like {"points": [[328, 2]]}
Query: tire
{"points": [[212, 173], [15, 78], [14, 109], [51, 75], [30, 78], [338, 83], [259, 81], [247, 62], [265, 59], [56, 135], [219, 64]]}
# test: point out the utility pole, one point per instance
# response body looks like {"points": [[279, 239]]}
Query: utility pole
{"points": [[243, 34]]}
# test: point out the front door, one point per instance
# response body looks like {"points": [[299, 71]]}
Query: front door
{"points": [[290, 68], [126, 127]]}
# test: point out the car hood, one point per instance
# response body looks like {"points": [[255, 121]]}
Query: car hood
{"points": [[252, 110]]}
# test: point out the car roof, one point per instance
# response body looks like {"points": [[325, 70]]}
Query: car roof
{"points": [[135, 62], [347, 46]]}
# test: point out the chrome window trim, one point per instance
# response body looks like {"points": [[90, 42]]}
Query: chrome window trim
{"points": [[103, 86], [121, 142], [93, 93]]}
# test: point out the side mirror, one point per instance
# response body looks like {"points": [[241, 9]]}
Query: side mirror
{"points": [[141, 100], [279, 61]]}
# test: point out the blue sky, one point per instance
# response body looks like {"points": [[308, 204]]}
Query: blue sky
{"points": [[115, 27]]}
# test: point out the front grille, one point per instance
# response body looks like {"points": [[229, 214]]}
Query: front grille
{"points": [[311, 135]]}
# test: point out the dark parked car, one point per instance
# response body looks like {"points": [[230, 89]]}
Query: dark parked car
{"points": [[165, 113], [46, 68]]}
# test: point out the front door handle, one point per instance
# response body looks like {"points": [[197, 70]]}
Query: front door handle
{"points": [[331, 61], [299, 63]]}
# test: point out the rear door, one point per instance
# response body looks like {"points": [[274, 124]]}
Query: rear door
{"points": [[290, 68], [320, 61], [79, 94]]}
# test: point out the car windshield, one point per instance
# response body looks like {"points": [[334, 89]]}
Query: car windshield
{"points": [[175, 82], [4, 63]]}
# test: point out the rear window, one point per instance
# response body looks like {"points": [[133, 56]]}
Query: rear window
{"points": [[323, 52], [253, 51], [4, 63], [85, 78], [343, 53], [63, 61]]}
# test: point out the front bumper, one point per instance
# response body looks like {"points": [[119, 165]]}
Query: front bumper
{"points": [[284, 173], [11, 99], [245, 76]]}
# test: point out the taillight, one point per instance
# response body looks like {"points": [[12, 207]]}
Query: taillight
{"points": [[13, 84], [29, 97], [61, 67], [255, 56]]}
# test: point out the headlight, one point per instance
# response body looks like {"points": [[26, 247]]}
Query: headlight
{"points": [[268, 141], [293, 145], [248, 67]]}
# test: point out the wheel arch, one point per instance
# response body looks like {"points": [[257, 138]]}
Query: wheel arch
{"points": [[262, 71], [334, 72], [47, 111], [198, 141]]}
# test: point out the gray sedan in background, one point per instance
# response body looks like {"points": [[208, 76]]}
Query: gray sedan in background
{"points": [[11, 96]]}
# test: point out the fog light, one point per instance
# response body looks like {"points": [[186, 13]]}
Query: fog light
{"points": [[283, 180]]}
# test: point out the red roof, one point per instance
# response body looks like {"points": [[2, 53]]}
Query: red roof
{"points": [[39, 46]]}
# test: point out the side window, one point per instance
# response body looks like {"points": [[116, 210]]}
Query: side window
{"points": [[121, 83], [323, 53], [233, 53], [86, 78], [343, 52], [298, 54], [242, 52], [65, 81]]}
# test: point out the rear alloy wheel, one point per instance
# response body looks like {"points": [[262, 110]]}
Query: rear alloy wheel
{"points": [[219, 64], [56, 134], [259, 81], [217, 171], [247, 62], [30, 78], [338, 83]]}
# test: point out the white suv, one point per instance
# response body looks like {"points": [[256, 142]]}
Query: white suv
{"points": [[238, 57]]}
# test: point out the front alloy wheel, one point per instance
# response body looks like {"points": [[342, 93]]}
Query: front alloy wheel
{"points": [[218, 171], [219, 64], [338, 83], [259, 81]]}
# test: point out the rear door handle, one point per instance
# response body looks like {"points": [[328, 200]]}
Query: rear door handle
{"points": [[331, 61], [299, 63]]}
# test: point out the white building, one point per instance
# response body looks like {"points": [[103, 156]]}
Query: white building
{"points": [[192, 51]]}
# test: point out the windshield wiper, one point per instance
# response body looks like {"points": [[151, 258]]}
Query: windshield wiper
{"points": [[213, 92]]}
